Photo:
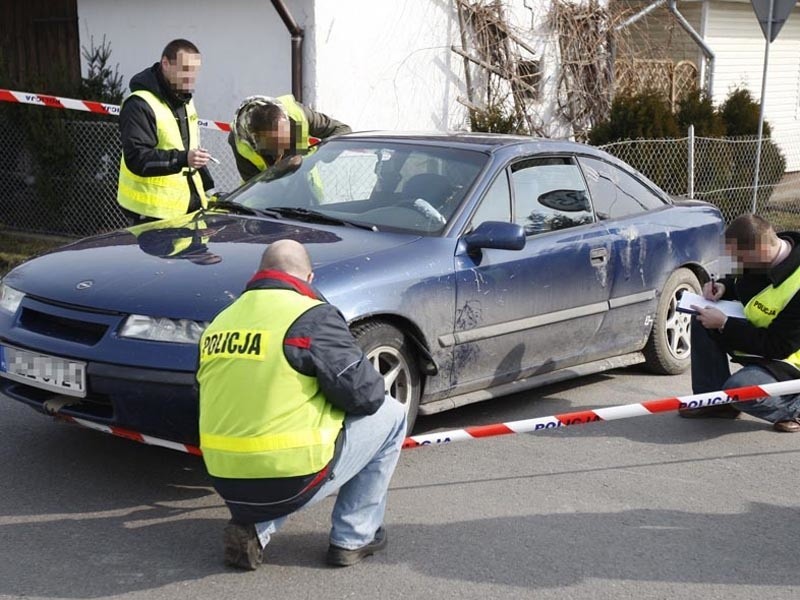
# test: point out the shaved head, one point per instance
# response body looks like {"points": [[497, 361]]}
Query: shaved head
{"points": [[288, 256]]}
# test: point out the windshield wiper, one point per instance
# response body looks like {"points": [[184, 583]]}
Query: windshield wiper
{"points": [[242, 209], [315, 216]]}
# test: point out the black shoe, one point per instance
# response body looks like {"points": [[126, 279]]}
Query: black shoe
{"points": [[788, 426], [342, 557], [722, 411], [242, 548]]}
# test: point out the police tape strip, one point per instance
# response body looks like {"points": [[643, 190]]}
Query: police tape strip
{"points": [[612, 413], [84, 105], [131, 435], [742, 394]]}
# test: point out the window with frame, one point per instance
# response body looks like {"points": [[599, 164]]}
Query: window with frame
{"points": [[549, 194], [616, 193], [495, 204]]}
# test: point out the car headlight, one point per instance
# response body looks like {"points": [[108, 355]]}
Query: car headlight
{"points": [[10, 299], [162, 329]]}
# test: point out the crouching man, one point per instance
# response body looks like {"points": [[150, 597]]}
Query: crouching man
{"points": [[291, 411]]}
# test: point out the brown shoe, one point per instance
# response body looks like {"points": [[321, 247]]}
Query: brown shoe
{"points": [[790, 426], [242, 548], [722, 411]]}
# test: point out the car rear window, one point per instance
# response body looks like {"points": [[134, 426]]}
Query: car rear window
{"points": [[616, 193]]}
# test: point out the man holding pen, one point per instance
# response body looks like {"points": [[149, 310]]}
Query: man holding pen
{"points": [[767, 340], [163, 170]]}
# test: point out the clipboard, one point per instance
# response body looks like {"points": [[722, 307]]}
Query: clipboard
{"points": [[734, 310]]}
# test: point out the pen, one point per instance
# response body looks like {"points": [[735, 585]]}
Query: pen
{"points": [[713, 284], [211, 158]]}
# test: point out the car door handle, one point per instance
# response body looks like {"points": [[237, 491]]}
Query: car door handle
{"points": [[598, 256]]}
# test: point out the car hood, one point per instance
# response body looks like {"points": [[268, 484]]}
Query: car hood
{"points": [[189, 267]]}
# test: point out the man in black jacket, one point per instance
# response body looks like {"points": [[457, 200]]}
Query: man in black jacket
{"points": [[163, 171], [292, 411], [767, 341]]}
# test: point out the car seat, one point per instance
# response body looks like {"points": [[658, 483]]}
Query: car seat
{"points": [[434, 188]]}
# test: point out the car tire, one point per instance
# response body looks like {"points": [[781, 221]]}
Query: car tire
{"points": [[390, 352], [668, 350]]}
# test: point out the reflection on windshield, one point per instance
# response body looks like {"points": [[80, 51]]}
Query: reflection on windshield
{"points": [[399, 187]]}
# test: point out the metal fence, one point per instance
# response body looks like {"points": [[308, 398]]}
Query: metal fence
{"points": [[70, 188], [73, 190], [721, 171]]}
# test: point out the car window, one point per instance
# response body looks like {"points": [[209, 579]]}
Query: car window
{"points": [[549, 194], [352, 176], [614, 192], [392, 186], [496, 203]]}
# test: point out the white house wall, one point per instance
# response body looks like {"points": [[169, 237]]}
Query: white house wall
{"points": [[736, 38], [245, 46], [372, 64], [389, 65]]}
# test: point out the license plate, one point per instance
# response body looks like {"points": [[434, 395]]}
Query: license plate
{"points": [[50, 373]]}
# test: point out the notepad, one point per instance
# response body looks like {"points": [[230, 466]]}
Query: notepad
{"points": [[732, 309]]}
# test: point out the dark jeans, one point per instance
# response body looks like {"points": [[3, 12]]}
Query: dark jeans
{"points": [[711, 371]]}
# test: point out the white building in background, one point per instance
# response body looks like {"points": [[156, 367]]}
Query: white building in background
{"points": [[389, 64], [374, 64], [731, 31]]}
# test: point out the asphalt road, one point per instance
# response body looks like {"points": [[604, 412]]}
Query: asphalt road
{"points": [[649, 507]]}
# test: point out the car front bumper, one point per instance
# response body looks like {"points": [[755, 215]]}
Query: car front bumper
{"points": [[153, 402]]}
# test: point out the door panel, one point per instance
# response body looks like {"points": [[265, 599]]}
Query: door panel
{"points": [[540, 308], [533, 310], [630, 212]]}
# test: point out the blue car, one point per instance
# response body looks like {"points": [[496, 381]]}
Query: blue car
{"points": [[468, 266]]}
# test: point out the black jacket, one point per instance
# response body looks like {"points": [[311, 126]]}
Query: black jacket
{"points": [[137, 127], [319, 126], [318, 344], [782, 337]]}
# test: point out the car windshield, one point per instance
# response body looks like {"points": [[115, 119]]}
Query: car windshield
{"points": [[383, 186]]}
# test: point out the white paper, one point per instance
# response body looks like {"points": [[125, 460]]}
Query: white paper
{"points": [[732, 309]]}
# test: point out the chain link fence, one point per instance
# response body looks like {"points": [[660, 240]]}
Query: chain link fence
{"points": [[70, 189], [721, 171]]}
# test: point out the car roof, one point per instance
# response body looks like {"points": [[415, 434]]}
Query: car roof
{"points": [[487, 142]]}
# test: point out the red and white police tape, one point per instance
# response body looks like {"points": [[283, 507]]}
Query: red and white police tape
{"points": [[131, 435], [84, 105], [624, 411], [611, 413]]}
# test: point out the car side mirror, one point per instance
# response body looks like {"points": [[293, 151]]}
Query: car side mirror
{"points": [[498, 235]]}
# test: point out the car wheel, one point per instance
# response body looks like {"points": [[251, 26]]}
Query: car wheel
{"points": [[391, 354], [668, 351]]}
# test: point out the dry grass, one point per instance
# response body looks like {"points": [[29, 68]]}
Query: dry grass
{"points": [[16, 247]]}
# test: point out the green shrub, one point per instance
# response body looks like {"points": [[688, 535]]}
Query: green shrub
{"points": [[740, 114], [697, 109], [645, 115], [65, 159], [493, 119], [723, 170]]}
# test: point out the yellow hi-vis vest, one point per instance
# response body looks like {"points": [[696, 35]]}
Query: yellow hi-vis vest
{"points": [[762, 308], [179, 243], [299, 122], [162, 196], [259, 418]]}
